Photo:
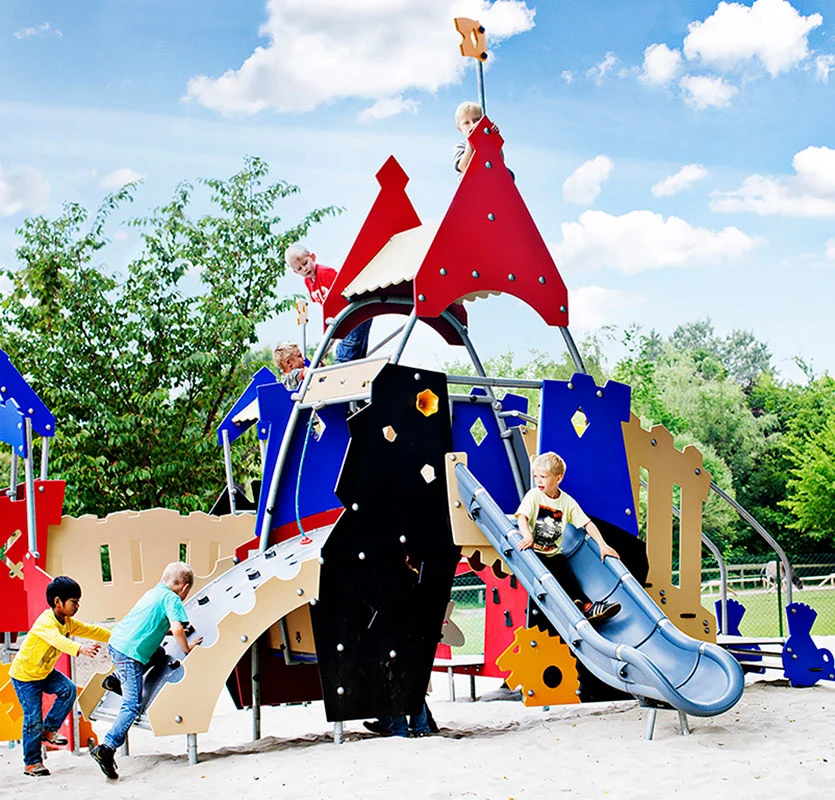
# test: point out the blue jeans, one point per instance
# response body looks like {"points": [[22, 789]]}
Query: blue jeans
{"points": [[30, 694], [418, 723], [129, 672], [354, 345]]}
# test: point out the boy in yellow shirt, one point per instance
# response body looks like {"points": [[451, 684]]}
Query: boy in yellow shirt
{"points": [[33, 674]]}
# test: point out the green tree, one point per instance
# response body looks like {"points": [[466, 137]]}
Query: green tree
{"points": [[139, 368]]}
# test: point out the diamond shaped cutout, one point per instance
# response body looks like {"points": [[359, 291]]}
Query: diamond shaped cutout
{"points": [[427, 472], [389, 433], [478, 431], [580, 422], [317, 427]]}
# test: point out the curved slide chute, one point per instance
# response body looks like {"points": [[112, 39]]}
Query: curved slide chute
{"points": [[638, 651]]}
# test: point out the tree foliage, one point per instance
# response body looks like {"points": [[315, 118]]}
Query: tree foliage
{"points": [[139, 366]]}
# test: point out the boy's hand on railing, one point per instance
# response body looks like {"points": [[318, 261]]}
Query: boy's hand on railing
{"points": [[527, 541]]}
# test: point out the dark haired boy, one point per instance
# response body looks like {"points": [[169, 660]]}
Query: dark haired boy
{"points": [[33, 674]]}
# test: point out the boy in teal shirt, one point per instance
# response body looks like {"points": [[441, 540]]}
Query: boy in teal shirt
{"points": [[134, 640]]}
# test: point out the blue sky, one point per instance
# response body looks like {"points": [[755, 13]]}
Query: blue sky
{"points": [[678, 157]]}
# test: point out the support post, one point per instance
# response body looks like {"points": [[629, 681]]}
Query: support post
{"points": [[227, 462], [337, 732], [652, 713], [191, 746], [451, 682], [14, 478], [29, 472], [683, 724], [256, 693], [44, 458]]}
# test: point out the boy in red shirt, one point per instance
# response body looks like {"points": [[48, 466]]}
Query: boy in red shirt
{"points": [[318, 279]]}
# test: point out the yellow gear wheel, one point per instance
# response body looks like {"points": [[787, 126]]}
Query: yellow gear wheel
{"points": [[543, 666]]}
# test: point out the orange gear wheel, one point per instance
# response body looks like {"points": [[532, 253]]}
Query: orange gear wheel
{"points": [[543, 666]]}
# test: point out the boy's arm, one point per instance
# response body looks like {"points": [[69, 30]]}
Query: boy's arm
{"points": [[88, 631], [605, 549], [54, 638], [179, 634], [524, 529]]}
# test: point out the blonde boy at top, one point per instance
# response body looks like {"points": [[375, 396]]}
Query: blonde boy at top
{"points": [[467, 116], [288, 357], [541, 516]]}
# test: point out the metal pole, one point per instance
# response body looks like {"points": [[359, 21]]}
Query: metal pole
{"points": [[481, 99], [14, 477], [482, 380], [191, 746], [227, 461], [29, 471], [255, 678], [651, 715], [44, 457], [385, 341], [337, 732], [573, 351], [406, 333], [762, 532], [76, 746]]}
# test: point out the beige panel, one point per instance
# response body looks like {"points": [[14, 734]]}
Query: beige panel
{"points": [[529, 439], [141, 544], [346, 380], [464, 531], [193, 699], [299, 632], [397, 262], [666, 466]]}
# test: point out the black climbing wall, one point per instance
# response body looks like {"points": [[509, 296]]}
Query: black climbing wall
{"points": [[389, 561]]}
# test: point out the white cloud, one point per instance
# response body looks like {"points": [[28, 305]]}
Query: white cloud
{"points": [[701, 91], [810, 192], [568, 76], [119, 177], [770, 31], [321, 51], [683, 179], [41, 30], [661, 65], [583, 185], [599, 71], [22, 191], [642, 240], [830, 250], [823, 66], [389, 107], [591, 307]]}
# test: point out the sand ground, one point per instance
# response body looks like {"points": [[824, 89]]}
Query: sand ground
{"points": [[776, 743]]}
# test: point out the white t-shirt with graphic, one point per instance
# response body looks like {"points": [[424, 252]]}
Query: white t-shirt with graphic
{"points": [[547, 516]]}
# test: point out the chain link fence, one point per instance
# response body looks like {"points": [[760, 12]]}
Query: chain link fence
{"points": [[469, 596], [755, 585]]}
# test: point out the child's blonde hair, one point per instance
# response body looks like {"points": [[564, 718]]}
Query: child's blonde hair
{"points": [[177, 574], [283, 353], [551, 461], [295, 250], [467, 107]]}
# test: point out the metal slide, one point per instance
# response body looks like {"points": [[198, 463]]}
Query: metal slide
{"points": [[638, 651]]}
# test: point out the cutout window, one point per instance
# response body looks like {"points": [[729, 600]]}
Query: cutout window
{"points": [[478, 431], [580, 422]]}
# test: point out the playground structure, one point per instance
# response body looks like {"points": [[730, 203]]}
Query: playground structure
{"points": [[374, 489]]}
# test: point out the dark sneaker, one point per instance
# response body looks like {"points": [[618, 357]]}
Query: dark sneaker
{"points": [[53, 737], [36, 771], [103, 755], [112, 684], [377, 726], [601, 610]]}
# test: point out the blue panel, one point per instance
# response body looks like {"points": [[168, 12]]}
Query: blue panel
{"points": [[514, 402], [598, 475], [12, 385], [263, 377], [487, 461], [11, 427], [322, 458]]}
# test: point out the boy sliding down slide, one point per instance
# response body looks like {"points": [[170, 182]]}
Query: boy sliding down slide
{"points": [[541, 515]]}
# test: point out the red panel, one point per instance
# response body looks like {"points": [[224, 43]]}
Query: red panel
{"points": [[502, 618], [14, 587], [391, 213], [488, 242], [289, 530]]}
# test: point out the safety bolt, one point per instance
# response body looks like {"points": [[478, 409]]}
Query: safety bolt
{"points": [[402, 540], [475, 273], [355, 507], [49, 427], [299, 591], [422, 297], [443, 270], [321, 560], [417, 376], [600, 393], [178, 719], [340, 647], [243, 637], [488, 164], [491, 216], [628, 512], [530, 692], [361, 556], [653, 442], [511, 277], [563, 309], [698, 471], [313, 601], [533, 642], [486, 130], [458, 504], [570, 386], [340, 690], [542, 279], [40, 488], [453, 457], [392, 653]]}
